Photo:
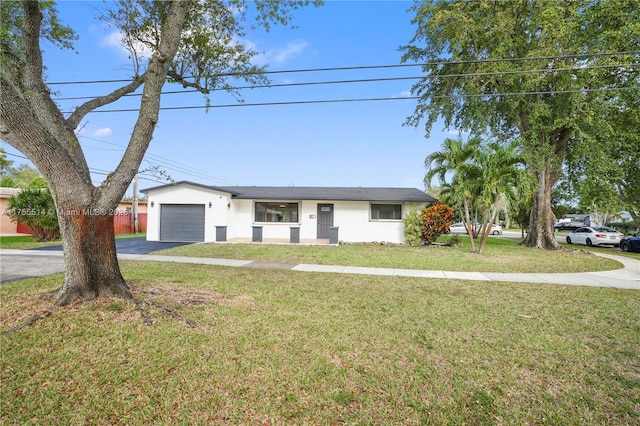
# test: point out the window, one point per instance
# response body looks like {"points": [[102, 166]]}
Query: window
{"points": [[276, 212], [386, 211]]}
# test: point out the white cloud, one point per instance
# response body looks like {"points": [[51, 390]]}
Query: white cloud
{"points": [[403, 94], [458, 132], [114, 39], [103, 132], [281, 55]]}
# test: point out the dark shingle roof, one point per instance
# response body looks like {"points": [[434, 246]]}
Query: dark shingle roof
{"points": [[317, 193], [327, 193]]}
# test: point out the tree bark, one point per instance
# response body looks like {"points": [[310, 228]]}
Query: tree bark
{"points": [[31, 122], [541, 222], [91, 263]]}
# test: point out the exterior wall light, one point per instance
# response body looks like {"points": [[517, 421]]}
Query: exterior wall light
{"points": [[152, 204], [209, 204]]}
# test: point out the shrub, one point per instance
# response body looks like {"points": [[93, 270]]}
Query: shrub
{"points": [[35, 208], [436, 220], [454, 241], [412, 228]]}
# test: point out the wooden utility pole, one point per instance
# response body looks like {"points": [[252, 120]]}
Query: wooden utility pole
{"points": [[134, 204]]}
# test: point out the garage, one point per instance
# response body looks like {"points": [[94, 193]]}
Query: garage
{"points": [[182, 222]]}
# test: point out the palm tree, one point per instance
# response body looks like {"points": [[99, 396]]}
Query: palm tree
{"points": [[482, 176], [452, 160], [501, 176]]}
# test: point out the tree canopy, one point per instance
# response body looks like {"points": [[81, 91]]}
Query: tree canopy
{"points": [[192, 43], [538, 70]]}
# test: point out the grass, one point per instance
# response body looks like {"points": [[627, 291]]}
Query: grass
{"points": [[281, 347], [25, 242], [499, 255]]}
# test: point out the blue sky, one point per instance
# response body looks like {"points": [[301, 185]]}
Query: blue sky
{"points": [[327, 144]]}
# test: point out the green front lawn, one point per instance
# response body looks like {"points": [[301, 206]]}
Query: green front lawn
{"points": [[25, 242], [283, 347], [500, 255]]}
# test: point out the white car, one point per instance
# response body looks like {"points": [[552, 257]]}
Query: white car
{"points": [[457, 228], [496, 230], [595, 236]]}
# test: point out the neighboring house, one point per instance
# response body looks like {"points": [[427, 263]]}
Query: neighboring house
{"points": [[122, 218], [127, 206], [187, 211], [8, 227]]}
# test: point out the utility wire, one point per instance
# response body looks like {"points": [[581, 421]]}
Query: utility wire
{"points": [[404, 98], [91, 169], [364, 67], [168, 164], [371, 80]]}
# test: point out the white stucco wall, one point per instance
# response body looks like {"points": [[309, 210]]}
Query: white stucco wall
{"points": [[351, 217], [355, 225], [216, 215]]}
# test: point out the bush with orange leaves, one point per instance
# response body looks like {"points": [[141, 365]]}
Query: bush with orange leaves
{"points": [[436, 221]]}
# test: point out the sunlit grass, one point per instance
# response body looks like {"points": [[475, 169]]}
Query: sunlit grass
{"points": [[500, 255], [281, 347]]}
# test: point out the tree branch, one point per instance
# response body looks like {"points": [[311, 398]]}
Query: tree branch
{"points": [[80, 112], [22, 130], [180, 79], [38, 95], [117, 182]]}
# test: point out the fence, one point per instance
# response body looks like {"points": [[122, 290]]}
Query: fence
{"points": [[122, 224]]}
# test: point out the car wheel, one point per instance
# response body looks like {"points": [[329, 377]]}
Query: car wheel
{"points": [[589, 243], [569, 240], [496, 232], [624, 246]]}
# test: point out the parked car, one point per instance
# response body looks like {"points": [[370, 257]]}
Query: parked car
{"points": [[457, 228], [496, 230], [630, 243], [595, 236], [567, 226]]}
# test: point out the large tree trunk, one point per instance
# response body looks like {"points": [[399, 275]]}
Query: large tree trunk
{"points": [[542, 219], [91, 263]]}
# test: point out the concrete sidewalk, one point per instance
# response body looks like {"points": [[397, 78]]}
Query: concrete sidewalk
{"points": [[19, 264]]}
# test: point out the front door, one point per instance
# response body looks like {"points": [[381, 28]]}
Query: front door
{"points": [[325, 220]]}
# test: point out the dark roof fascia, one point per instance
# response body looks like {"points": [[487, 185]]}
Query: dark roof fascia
{"points": [[183, 182], [328, 193], [282, 193]]}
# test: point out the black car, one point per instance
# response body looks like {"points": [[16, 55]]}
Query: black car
{"points": [[630, 243]]}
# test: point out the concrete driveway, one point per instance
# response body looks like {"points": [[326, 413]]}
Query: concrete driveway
{"points": [[136, 245], [21, 264]]}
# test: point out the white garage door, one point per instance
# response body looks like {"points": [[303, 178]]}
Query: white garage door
{"points": [[182, 222]]}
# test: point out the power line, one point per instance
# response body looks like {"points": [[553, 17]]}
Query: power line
{"points": [[168, 164], [404, 98], [92, 170], [367, 67], [371, 80], [15, 155]]}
